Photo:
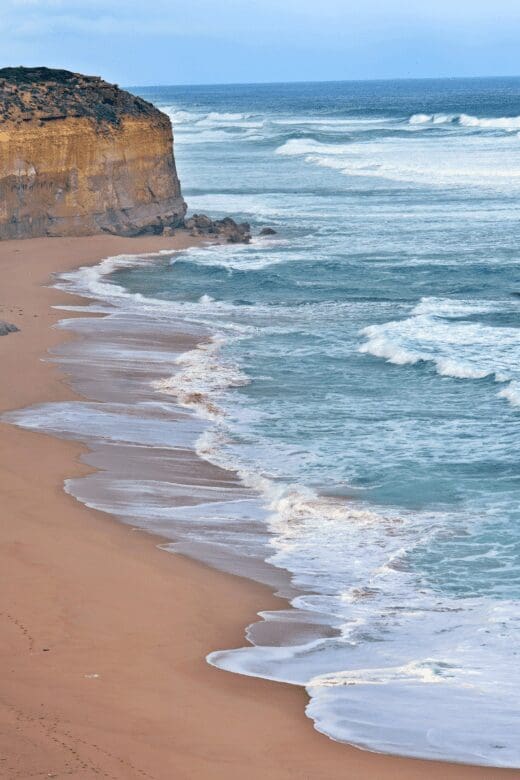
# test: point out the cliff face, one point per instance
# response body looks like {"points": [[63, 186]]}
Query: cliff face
{"points": [[79, 156]]}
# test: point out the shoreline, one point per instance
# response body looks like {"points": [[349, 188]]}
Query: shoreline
{"points": [[105, 636]]}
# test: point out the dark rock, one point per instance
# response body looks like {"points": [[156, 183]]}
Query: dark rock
{"points": [[226, 229], [200, 222], [267, 231], [7, 327]]}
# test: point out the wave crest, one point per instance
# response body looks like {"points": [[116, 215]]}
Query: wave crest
{"points": [[437, 332], [508, 123]]}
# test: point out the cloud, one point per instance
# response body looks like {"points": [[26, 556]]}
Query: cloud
{"points": [[211, 18], [215, 39]]}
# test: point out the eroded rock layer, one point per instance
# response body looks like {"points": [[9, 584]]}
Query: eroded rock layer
{"points": [[79, 156]]}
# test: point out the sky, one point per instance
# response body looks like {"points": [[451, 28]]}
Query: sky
{"points": [[132, 42]]}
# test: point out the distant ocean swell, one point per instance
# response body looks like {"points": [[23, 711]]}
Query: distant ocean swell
{"points": [[252, 120]]}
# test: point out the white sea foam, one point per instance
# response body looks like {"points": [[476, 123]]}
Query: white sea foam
{"points": [[216, 116], [511, 393], [510, 124], [436, 332], [428, 671], [476, 163], [209, 135], [252, 257], [448, 307], [306, 146], [310, 540], [91, 281], [460, 370], [180, 116], [434, 119], [202, 376], [331, 121]]}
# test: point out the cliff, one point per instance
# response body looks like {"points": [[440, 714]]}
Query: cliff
{"points": [[79, 156]]}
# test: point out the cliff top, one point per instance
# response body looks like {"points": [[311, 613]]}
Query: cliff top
{"points": [[44, 94]]}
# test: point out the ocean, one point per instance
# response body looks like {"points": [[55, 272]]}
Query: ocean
{"points": [[357, 378]]}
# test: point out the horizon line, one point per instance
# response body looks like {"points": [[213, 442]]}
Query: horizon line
{"points": [[320, 81]]}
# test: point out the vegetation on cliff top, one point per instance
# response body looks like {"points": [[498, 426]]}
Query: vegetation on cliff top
{"points": [[45, 94]]}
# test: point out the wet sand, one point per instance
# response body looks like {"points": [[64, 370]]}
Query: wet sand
{"points": [[104, 635]]}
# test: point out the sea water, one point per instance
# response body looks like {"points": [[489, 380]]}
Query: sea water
{"points": [[357, 375]]}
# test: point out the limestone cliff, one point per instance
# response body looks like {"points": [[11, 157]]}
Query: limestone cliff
{"points": [[79, 156]]}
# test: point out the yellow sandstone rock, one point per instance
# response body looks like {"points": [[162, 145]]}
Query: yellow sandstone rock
{"points": [[79, 156]]}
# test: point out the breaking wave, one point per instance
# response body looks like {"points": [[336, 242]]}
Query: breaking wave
{"points": [[510, 124], [438, 332]]}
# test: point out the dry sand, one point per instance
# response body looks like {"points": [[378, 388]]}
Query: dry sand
{"points": [[103, 635]]}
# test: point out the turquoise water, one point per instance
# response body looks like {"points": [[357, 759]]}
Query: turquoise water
{"points": [[364, 380], [379, 329]]}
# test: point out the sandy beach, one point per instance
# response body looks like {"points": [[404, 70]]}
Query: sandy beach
{"points": [[104, 636]]}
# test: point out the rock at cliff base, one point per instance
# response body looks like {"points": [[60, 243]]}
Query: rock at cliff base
{"points": [[7, 327], [168, 231], [225, 229], [80, 156], [267, 231]]}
